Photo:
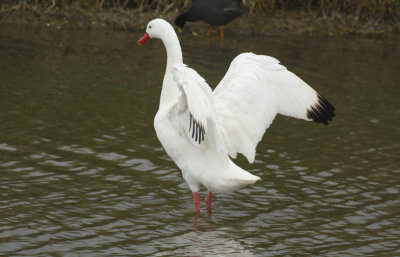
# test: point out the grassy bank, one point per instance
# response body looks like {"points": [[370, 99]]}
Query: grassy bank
{"points": [[360, 17]]}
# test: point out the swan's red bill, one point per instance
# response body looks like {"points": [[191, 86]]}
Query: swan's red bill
{"points": [[144, 39]]}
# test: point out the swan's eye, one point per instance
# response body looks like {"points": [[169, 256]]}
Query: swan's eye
{"points": [[150, 27]]}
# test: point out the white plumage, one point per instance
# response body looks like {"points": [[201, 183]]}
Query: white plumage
{"points": [[200, 128]]}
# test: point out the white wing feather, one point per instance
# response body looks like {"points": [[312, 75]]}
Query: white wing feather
{"points": [[196, 109], [244, 106], [253, 91]]}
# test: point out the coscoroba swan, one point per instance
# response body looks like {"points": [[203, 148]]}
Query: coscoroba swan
{"points": [[200, 128]]}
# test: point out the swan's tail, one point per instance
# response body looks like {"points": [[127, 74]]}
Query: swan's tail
{"points": [[234, 179]]}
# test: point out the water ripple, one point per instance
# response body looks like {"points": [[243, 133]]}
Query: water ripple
{"points": [[82, 172]]}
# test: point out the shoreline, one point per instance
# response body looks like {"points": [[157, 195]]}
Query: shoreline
{"points": [[278, 23]]}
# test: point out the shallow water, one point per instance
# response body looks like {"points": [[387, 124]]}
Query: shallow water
{"points": [[83, 174]]}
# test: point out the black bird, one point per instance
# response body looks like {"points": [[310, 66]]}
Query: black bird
{"points": [[213, 12]]}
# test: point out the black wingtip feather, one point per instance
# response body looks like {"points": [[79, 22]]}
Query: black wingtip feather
{"points": [[198, 131], [322, 112]]}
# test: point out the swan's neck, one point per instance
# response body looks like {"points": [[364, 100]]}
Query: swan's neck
{"points": [[170, 92], [174, 51]]}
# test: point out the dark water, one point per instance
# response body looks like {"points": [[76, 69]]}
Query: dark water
{"points": [[83, 174]]}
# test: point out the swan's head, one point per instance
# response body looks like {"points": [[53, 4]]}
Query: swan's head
{"points": [[157, 28]]}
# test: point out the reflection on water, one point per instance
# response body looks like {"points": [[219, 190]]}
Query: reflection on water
{"points": [[82, 173]]}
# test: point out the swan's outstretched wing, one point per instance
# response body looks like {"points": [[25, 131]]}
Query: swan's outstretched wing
{"points": [[195, 111], [253, 91]]}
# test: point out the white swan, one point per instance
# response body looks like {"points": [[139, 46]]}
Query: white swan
{"points": [[200, 128]]}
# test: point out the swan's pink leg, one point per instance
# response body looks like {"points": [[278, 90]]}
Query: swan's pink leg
{"points": [[209, 200], [196, 200]]}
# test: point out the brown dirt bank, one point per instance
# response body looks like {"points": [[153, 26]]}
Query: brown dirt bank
{"points": [[274, 23]]}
